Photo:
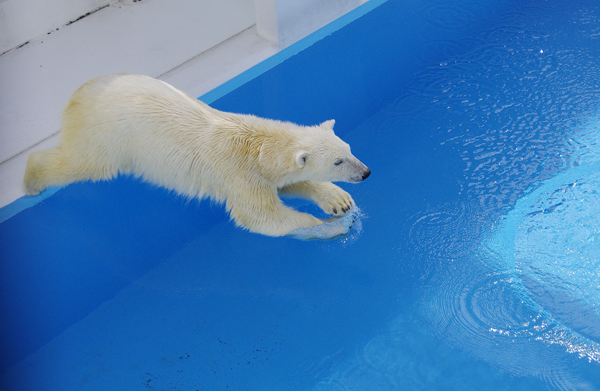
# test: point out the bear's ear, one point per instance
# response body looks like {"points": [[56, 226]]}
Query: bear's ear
{"points": [[302, 158], [328, 124]]}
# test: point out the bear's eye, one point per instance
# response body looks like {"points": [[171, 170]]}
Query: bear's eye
{"points": [[338, 162]]}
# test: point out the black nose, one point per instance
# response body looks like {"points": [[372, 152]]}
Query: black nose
{"points": [[366, 174]]}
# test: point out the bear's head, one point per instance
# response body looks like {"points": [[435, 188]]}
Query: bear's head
{"points": [[322, 156], [288, 153]]}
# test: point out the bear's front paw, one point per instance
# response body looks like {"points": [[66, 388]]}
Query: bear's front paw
{"points": [[336, 201], [331, 228]]}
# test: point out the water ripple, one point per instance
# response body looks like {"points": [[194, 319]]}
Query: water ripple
{"points": [[435, 232], [449, 16], [508, 103], [515, 107], [546, 282]]}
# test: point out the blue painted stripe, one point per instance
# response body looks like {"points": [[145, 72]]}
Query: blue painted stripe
{"points": [[290, 51], [25, 202]]}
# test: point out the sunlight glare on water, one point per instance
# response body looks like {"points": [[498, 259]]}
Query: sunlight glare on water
{"points": [[556, 258]]}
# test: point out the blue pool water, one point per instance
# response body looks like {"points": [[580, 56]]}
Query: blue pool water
{"points": [[474, 264]]}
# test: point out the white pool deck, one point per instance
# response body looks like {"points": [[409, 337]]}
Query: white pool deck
{"points": [[195, 45]]}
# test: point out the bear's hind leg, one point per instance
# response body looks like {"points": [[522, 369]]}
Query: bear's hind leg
{"points": [[52, 168]]}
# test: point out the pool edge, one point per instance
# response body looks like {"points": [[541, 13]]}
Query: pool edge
{"points": [[26, 202], [289, 52]]}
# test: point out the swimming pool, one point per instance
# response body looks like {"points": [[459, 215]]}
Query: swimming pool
{"points": [[475, 266]]}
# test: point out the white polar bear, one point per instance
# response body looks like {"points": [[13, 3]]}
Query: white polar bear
{"points": [[124, 123]]}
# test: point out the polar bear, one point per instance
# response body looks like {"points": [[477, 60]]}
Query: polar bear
{"points": [[138, 125]]}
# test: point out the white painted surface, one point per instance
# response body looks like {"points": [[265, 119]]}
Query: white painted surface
{"points": [[221, 63], [149, 37], [266, 20], [284, 22], [24, 20]]}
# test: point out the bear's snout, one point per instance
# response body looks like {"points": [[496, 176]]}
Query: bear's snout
{"points": [[366, 174], [359, 172]]}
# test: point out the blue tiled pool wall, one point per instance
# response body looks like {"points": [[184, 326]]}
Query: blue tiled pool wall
{"points": [[196, 301]]}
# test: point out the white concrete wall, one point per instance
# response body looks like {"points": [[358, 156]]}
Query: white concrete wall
{"points": [[284, 22], [149, 37], [193, 44], [24, 20]]}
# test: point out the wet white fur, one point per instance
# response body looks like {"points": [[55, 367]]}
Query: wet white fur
{"points": [[135, 124]]}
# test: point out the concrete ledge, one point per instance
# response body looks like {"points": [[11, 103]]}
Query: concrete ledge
{"points": [[195, 45], [24, 20]]}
